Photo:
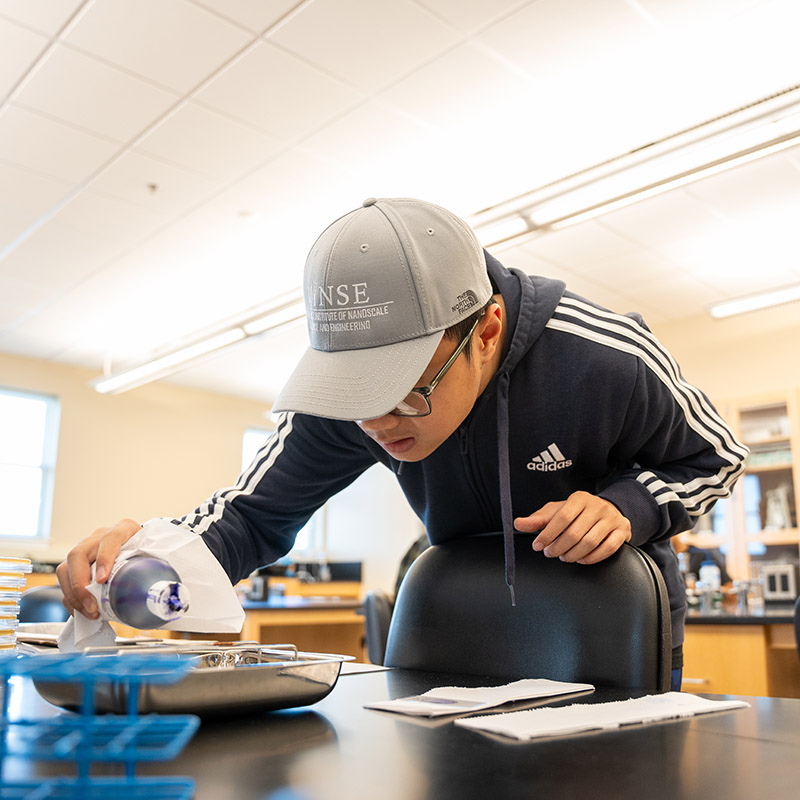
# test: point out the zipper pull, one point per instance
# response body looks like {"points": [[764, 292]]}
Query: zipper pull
{"points": [[462, 436]]}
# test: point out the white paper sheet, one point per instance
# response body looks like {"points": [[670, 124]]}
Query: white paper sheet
{"points": [[459, 700], [581, 717], [214, 606]]}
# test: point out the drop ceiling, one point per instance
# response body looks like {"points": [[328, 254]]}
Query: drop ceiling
{"points": [[166, 164]]}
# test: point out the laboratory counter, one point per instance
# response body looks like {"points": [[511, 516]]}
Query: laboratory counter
{"points": [[769, 614], [338, 750], [742, 652]]}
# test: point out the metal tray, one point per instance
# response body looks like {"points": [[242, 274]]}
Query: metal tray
{"points": [[226, 678]]}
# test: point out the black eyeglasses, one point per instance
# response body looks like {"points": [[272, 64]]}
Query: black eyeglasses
{"points": [[417, 402]]}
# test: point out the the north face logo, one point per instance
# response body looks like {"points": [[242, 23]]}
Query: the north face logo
{"points": [[550, 459], [464, 302]]}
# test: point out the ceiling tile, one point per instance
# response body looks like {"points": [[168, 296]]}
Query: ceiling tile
{"points": [[676, 15], [94, 96], [583, 244], [663, 224], [463, 86], [19, 49], [109, 220], [591, 47], [160, 189], [47, 16], [369, 135], [344, 99], [473, 14], [682, 296], [88, 233], [19, 299], [625, 273], [365, 44], [179, 52], [57, 256], [520, 257], [564, 36], [255, 15], [13, 224], [24, 197], [748, 258], [50, 147], [753, 191], [29, 192], [277, 93], [614, 297], [208, 143]]}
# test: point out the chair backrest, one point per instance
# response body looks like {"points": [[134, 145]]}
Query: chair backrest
{"points": [[607, 624], [797, 624], [377, 615], [42, 604]]}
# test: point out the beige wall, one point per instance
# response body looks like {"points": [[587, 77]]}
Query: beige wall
{"points": [[154, 451], [747, 355]]}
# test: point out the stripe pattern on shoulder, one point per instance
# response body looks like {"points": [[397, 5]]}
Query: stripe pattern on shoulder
{"points": [[580, 318], [211, 511]]}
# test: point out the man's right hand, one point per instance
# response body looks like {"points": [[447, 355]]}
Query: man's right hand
{"points": [[75, 572]]}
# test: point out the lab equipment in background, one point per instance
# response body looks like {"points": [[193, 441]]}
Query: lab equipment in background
{"points": [[779, 582], [12, 582], [705, 593], [710, 574], [741, 589]]}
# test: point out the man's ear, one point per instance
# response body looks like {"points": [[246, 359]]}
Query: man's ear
{"points": [[490, 331]]}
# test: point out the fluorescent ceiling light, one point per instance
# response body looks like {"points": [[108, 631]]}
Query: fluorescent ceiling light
{"points": [[720, 144], [276, 313], [753, 302], [504, 229], [274, 319], [165, 365]]}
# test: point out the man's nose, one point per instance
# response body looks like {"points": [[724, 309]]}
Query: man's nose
{"points": [[384, 423]]}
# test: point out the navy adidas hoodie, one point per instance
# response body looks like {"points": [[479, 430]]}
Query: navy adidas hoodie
{"points": [[584, 399]]}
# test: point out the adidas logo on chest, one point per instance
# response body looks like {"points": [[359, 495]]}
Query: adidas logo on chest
{"points": [[550, 459]]}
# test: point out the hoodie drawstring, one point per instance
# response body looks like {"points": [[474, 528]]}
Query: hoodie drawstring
{"points": [[505, 481]]}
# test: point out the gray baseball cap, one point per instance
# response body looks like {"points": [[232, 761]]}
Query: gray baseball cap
{"points": [[381, 285]]}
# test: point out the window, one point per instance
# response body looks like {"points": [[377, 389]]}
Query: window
{"points": [[305, 544], [28, 441]]}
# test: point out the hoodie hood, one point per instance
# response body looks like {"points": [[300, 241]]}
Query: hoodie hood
{"points": [[530, 302]]}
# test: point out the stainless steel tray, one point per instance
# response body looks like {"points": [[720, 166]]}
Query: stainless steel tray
{"points": [[227, 678]]}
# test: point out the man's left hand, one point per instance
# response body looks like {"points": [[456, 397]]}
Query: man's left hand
{"points": [[583, 528]]}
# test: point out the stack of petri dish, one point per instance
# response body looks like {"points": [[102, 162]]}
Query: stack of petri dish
{"points": [[12, 582]]}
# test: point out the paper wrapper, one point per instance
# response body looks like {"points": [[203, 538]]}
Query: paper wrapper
{"points": [[214, 606]]}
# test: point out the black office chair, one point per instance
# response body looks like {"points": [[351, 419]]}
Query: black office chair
{"points": [[42, 604], [377, 616], [607, 624], [797, 624]]}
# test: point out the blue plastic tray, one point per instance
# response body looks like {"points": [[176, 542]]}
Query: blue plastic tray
{"points": [[85, 738], [100, 789], [105, 738]]}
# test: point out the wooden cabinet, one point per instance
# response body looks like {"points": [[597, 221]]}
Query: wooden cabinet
{"points": [[753, 659], [758, 524], [40, 579]]}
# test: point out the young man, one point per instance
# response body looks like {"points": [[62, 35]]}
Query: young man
{"points": [[499, 400]]}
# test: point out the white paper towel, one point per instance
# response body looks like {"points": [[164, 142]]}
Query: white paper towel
{"points": [[214, 606], [446, 700], [578, 718]]}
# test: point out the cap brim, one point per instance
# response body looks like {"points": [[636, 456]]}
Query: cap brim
{"points": [[357, 384]]}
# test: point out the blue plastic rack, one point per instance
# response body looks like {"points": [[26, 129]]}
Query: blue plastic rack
{"points": [[85, 737]]}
